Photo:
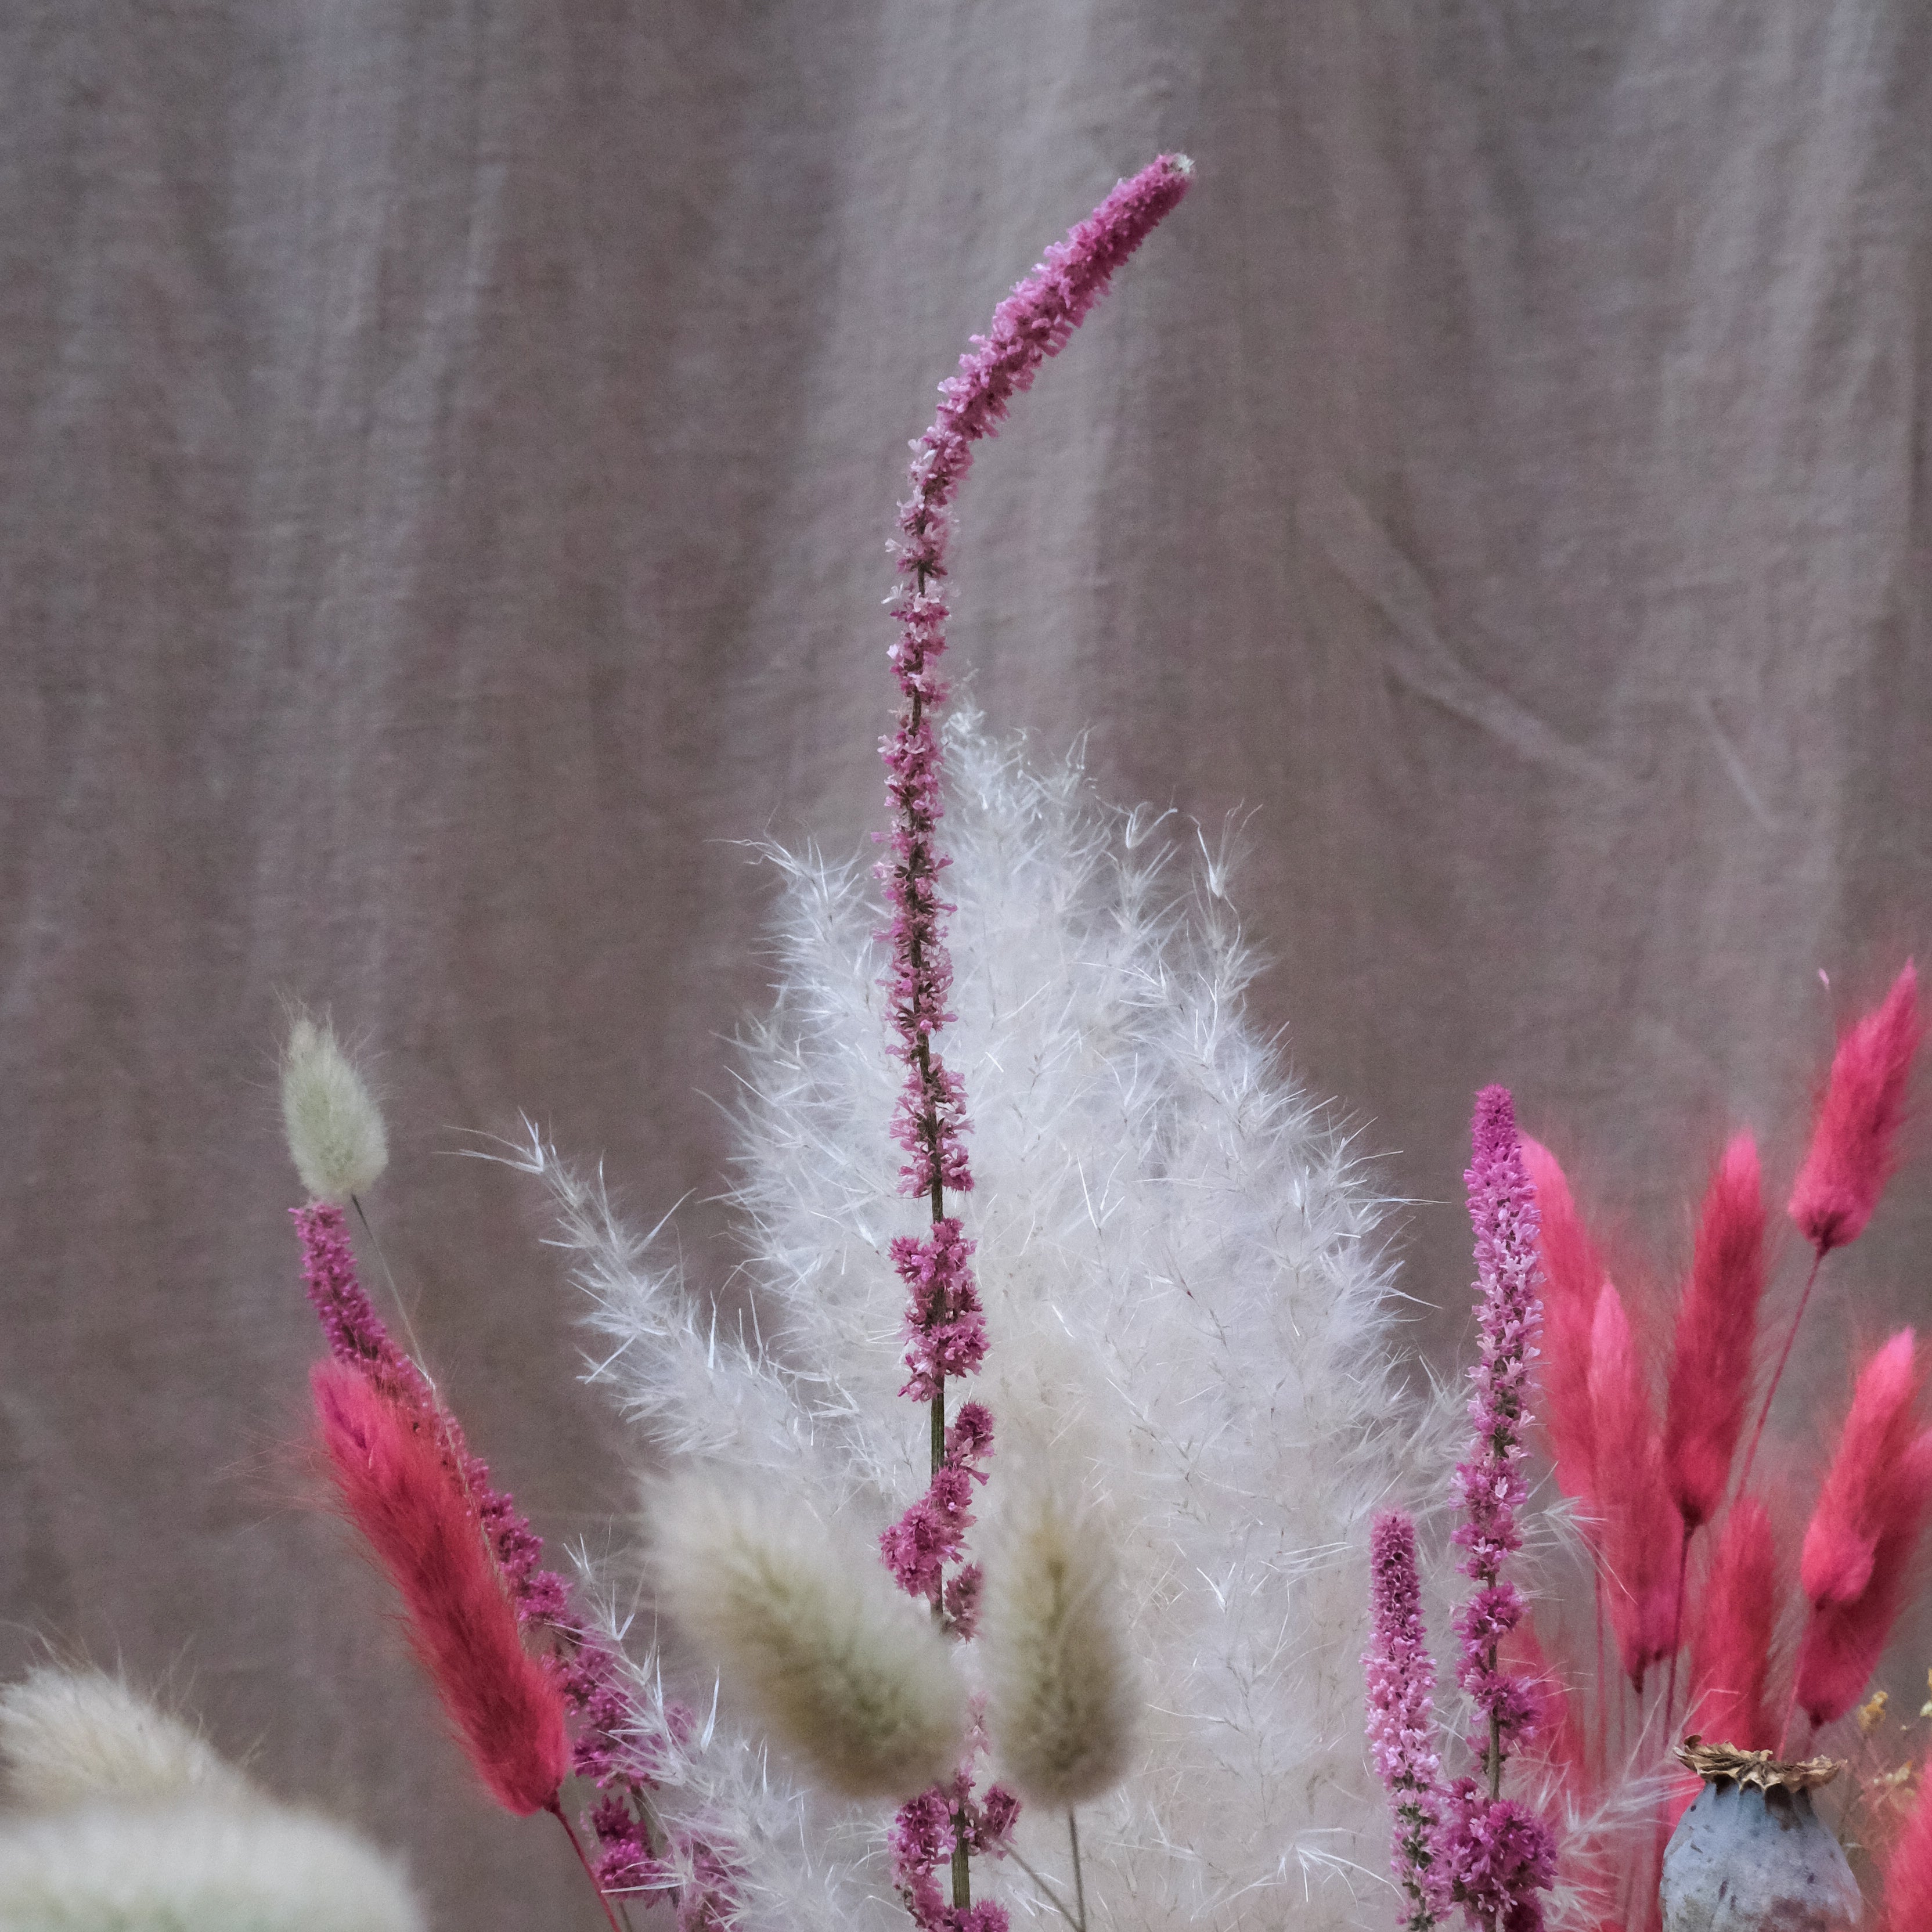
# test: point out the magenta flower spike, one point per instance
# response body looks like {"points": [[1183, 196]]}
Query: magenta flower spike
{"points": [[614, 1747], [1401, 1678], [1496, 1854], [945, 1326]]}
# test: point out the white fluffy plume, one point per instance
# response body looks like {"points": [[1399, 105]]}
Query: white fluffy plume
{"points": [[195, 1866], [1062, 1703], [846, 1672], [1180, 1257], [132, 1822], [69, 1737], [336, 1135]]}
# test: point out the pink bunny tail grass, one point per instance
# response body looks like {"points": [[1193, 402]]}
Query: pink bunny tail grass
{"points": [[1854, 1140], [1717, 1326], [1640, 1535], [397, 1488], [616, 1748], [1401, 1681], [1863, 1534], [1856, 1502], [1730, 1649], [1572, 1272], [1908, 1871]]}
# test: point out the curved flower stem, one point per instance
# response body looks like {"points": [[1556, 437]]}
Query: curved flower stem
{"points": [[557, 1812], [1810, 1282]]}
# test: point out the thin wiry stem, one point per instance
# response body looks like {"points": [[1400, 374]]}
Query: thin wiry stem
{"points": [[556, 1811], [1778, 1375], [1052, 1897], [1079, 1883]]}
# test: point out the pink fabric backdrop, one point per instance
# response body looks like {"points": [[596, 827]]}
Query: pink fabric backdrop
{"points": [[448, 450]]}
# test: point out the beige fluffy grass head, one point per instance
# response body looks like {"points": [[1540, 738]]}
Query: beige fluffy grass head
{"points": [[809, 1633], [78, 1737], [336, 1135], [1062, 1702], [196, 1866]]}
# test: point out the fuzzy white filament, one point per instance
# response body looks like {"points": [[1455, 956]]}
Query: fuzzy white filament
{"points": [[845, 1670], [335, 1131], [71, 1738], [195, 1867], [1063, 1705]]}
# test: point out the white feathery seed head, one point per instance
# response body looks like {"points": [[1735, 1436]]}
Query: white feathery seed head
{"points": [[1062, 1698], [335, 1131], [845, 1670], [1182, 1258], [196, 1866], [75, 1737]]}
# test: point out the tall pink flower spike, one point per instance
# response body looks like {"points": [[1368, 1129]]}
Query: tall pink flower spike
{"points": [[1401, 1679], [1496, 1854], [945, 1326]]}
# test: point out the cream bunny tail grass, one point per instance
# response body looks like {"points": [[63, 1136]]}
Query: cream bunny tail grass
{"points": [[195, 1867], [335, 1131], [848, 1674], [1063, 1703], [77, 1737]]}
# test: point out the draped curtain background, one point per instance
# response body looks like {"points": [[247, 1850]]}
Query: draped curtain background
{"points": [[447, 450]]}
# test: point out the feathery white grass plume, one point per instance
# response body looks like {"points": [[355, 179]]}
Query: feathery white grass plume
{"points": [[847, 1672], [335, 1131], [1063, 1705], [195, 1867], [1180, 1256], [71, 1737]]}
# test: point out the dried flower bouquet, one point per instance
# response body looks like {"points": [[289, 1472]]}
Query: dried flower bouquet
{"points": [[1128, 1693], [1086, 1639]]}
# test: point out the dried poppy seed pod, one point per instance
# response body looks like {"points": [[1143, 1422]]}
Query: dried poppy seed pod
{"points": [[1751, 1855]]}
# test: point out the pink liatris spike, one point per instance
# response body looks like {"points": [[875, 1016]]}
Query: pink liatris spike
{"points": [[1864, 1533], [945, 1326], [1496, 1854], [1854, 1140], [1401, 1679]]}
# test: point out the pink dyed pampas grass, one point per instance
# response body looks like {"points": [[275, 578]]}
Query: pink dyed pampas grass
{"points": [[1648, 1482], [1863, 1534], [1731, 1645], [1854, 1146], [1711, 1359], [398, 1487], [1854, 1138]]}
